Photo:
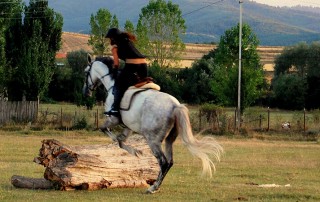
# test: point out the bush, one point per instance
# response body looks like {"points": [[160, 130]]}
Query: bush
{"points": [[213, 117], [289, 92], [80, 123], [196, 83], [167, 79]]}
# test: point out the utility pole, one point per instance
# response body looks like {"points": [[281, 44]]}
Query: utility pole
{"points": [[240, 62]]}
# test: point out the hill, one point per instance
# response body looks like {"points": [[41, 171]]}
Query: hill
{"points": [[277, 26]]}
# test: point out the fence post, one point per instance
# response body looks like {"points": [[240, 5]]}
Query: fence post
{"points": [[61, 118], [235, 120], [200, 119], [97, 119], [304, 120], [268, 119], [260, 121]]}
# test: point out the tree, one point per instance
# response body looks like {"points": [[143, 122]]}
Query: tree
{"points": [[61, 85], [35, 71], [10, 12], [313, 78], [142, 35], [160, 27], [167, 79], [36, 40], [313, 58], [289, 91], [196, 82], [129, 27], [293, 58], [227, 53], [100, 24], [78, 62], [224, 83], [301, 60]]}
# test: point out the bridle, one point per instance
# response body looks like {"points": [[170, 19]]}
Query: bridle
{"points": [[94, 84]]}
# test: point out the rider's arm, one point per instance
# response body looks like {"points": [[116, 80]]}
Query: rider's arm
{"points": [[114, 51]]}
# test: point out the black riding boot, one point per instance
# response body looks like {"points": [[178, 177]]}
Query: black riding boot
{"points": [[116, 103]]}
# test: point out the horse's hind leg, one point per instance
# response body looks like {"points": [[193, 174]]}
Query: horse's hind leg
{"points": [[168, 146], [165, 161]]}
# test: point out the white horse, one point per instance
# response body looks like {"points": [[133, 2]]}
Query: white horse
{"points": [[156, 116]]}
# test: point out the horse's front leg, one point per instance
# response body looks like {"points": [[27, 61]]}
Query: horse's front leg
{"points": [[110, 123], [122, 138]]}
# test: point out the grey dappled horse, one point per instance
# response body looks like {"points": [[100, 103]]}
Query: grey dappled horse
{"points": [[156, 116]]}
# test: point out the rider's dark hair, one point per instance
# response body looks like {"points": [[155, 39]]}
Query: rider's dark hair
{"points": [[116, 34]]}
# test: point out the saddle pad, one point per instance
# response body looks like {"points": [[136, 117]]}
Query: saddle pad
{"points": [[127, 97], [132, 91], [149, 85]]}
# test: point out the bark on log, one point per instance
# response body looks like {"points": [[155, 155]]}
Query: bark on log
{"points": [[31, 183], [92, 167]]}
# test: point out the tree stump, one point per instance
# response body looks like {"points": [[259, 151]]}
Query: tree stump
{"points": [[92, 167]]}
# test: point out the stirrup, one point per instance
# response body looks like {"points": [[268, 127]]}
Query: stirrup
{"points": [[113, 113]]}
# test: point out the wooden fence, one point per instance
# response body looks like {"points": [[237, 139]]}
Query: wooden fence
{"points": [[18, 111], [261, 120]]}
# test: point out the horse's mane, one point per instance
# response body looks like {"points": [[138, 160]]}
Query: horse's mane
{"points": [[106, 60]]}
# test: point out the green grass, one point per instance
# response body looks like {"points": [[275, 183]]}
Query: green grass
{"points": [[245, 163]]}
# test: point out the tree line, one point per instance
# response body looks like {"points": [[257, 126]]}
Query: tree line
{"points": [[30, 37], [29, 43]]}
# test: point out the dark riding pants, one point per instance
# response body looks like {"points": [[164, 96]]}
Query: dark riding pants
{"points": [[130, 75]]}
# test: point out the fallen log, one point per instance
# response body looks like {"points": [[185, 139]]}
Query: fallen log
{"points": [[92, 167], [31, 183]]}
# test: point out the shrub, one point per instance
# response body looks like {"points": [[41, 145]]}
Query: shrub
{"points": [[213, 117], [80, 123]]}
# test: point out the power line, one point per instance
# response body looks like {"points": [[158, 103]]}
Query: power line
{"points": [[210, 4], [10, 2], [28, 12], [13, 18]]}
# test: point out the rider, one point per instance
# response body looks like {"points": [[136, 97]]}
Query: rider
{"points": [[135, 68]]}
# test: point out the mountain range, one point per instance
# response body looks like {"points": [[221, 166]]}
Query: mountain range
{"points": [[206, 21]]}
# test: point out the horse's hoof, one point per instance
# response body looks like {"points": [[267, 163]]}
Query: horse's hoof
{"points": [[152, 191], [149, 192]]}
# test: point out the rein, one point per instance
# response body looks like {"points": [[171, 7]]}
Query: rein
{"points": [[94, 84]]}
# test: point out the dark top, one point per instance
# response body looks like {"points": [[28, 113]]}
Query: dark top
{"points": [[127, 50]]}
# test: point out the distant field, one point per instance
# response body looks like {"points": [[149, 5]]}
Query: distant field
{"points": [[75, 41]]}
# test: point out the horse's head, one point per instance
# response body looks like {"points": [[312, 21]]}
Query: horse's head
{"points": [[96, 71], [89, 85]]}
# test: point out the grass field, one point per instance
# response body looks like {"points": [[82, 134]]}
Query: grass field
{"points": [[246, 164]]}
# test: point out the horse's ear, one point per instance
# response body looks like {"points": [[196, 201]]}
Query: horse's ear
{"points": [[89, 58]]}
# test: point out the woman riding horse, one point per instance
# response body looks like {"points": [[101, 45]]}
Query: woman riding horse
{"points": [[158, 117], [135, 68]]}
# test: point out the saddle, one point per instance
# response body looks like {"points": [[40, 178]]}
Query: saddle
{"points": [[144, 85]]}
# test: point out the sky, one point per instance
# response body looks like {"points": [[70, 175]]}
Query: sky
{"points": [[314, 3]]}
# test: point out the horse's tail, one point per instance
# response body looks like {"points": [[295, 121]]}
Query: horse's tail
{"points": [[203, 148]]}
